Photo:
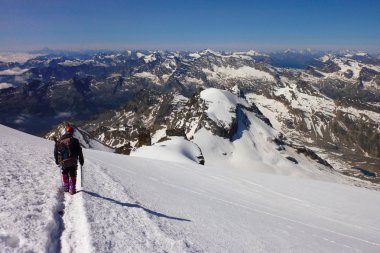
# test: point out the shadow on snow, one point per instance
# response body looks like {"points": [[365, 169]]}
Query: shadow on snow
{"points": [[160, 215]]}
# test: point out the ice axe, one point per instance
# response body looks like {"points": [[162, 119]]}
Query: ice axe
{"points": [[81, 176]]}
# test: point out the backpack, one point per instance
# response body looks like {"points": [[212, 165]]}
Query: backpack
{"points": [[65, 153]]}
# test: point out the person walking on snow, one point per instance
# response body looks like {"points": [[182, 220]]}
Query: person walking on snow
{"points": [[67, 151]]}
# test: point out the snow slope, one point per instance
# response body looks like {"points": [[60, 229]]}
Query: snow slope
{"points": [[221, 105], [251, 146], [29, 193], [175, 149], [132, 204]]}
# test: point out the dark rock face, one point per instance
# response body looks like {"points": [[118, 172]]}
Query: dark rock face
{"points": [[348, 74], [309, 153], [176, 132], [311, 70], [368, 75], [292, 159], [330, 67], [125, 149], [144, 138], [357, 133]]}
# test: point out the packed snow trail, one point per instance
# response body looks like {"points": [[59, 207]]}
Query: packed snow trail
{"points": [[76, 234], [131, 204]]}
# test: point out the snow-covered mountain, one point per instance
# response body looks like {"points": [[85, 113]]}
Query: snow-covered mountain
{"points": [[244, 128], [329, 110], [224, 127], [359, 70], [135, 204]]}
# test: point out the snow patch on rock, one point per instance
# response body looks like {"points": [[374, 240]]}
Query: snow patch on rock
{"points": [[5, 86], [13, 72], [245, 72], [148, 75]]}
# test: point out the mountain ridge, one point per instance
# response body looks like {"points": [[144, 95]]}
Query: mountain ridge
{"points": [[331, 106]]}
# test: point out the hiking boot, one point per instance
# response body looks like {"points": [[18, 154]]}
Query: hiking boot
{"points": [[73, 181], [65, 182]]}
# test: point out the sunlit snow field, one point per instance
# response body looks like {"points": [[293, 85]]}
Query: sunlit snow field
{"points": [[132, 204]]}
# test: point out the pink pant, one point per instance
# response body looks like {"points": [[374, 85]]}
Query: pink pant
{"points": [[69, 179]]}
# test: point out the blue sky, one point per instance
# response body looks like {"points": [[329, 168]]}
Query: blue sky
{"points": [[189, 25]]}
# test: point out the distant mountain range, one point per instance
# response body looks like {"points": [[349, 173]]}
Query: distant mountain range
{"points": [[322, 106]]}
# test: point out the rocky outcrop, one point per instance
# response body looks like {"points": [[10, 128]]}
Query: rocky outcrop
{"points": [[176, 132], [143, 138]]}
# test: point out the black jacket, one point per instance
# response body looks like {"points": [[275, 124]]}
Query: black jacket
{"points": [[76, 148]]}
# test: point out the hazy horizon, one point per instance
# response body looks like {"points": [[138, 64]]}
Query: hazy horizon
{"points": [[217, 49], [190, 25]]}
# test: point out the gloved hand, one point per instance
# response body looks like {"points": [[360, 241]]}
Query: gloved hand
{"points": [[56, 162], [81, 164]]}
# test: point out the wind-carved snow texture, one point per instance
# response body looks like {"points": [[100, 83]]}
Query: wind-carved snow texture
{"points": [[133, 204]]}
